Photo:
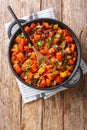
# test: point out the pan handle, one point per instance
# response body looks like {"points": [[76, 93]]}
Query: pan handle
{"points": [[13, 27], [75, 80]]}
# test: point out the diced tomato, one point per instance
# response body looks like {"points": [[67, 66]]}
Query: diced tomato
{"points": [[55, 41], [50, 76], [26, 48], [22, 75], [49, 55], [53, 59], [68, 39], [14, 60], [49, 66], [14, 49], [59, 56], [32, 55], [51, 50], [70, 68], [58, 79], [27, 80], [32, 26], [27, 29], [48, 82], [29, 77], [65, 32], [17, 68], [20, 47], [15, 53], [59, 31], [73, 47], [33, 68], [42, 84], [39, 29], [21, 40], [27, 62], [44, 51], [72, 61], [21, 57], [74, 58], [36, 37], [46, 25], [68, 73]]}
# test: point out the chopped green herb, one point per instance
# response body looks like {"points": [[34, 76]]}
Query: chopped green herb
{"points": [[28, 67], [65, 61], [41, 62], [54, 46], [49, 40], [54, 68], [59, 62], [38, 26], [64, 51], [63, 45], [40, 65], [39, 43], [26, 74], [52, 38], [58, 35], [35, 80], [55, 26]]}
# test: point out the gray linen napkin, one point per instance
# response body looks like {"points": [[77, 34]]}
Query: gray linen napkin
{"points": [[30, 94]]}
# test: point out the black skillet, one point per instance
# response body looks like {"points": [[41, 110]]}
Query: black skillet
{"points": [[77, 67]]}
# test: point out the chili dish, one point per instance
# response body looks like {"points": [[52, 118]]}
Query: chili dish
{"points": [[52, 41]]}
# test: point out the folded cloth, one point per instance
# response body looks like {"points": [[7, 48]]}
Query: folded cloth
{"points": [[30, 94]]}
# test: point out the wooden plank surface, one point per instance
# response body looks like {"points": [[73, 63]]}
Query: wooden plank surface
{"points": [[31, 113], [74, 109], [64, 111], [53, 107], [10, 99]]}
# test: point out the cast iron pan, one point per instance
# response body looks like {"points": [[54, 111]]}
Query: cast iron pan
{"points": [[62, 25]]}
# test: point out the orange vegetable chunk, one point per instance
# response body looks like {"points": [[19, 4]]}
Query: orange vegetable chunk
{"points": [[17, 68], [21, 57]]}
